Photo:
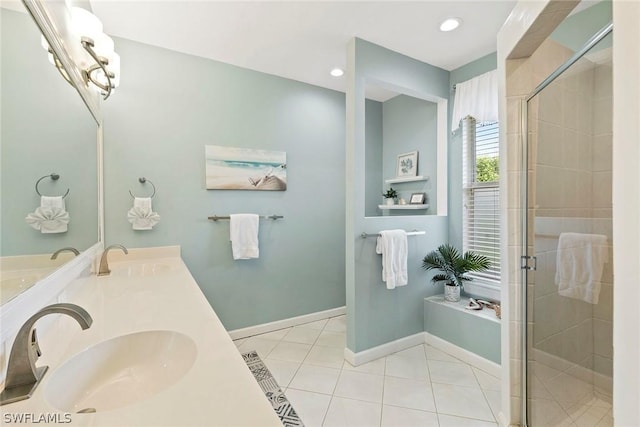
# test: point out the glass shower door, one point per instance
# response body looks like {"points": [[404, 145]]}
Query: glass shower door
{"points": [[569, 295]]}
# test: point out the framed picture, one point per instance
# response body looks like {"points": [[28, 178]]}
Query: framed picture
{"points": [[407, 164], [238, 168], [417, 199]]}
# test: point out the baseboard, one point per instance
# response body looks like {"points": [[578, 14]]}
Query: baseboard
{"points": [[377, 352], [465, 355], [386, 349], [286, 323], [383, 350]]}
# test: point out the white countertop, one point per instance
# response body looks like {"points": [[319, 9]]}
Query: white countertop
{"points": [[154, 293]]}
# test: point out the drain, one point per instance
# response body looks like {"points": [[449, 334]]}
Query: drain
{"points": [[87, 411]]}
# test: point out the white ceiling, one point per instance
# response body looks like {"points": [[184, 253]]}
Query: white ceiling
{"points": [[303, 40]]}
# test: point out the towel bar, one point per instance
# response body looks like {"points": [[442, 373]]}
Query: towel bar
{"points": [[216, 217], [409, 233]]}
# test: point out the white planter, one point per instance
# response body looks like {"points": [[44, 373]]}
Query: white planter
{"points": [[451, 293], [389, 202]]}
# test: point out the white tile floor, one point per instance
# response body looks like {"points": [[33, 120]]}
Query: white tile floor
{"points": [[420, 386], [560, 399]]}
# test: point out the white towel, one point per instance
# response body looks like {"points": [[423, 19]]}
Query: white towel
{"points": [[579, 264], [52, 202], [141, 215], [243, 233], [392, 244], [50, 217]]}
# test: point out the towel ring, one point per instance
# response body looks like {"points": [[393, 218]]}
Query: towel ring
{"points": [[54, 176], [142, 181]]}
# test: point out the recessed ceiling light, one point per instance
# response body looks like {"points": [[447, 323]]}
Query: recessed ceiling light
{"points": [[337, 72], [450, 24]]}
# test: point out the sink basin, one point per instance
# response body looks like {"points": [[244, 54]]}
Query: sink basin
{"points": [[142, 270], [121, 371]]}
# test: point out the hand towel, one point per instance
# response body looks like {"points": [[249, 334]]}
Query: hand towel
{"points": [[52, 202], [579, 263], [243, 233], [392, 244], [50, 217], [141, 215]]}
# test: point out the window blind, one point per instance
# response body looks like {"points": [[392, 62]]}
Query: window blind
{"points": [[481, 219]]}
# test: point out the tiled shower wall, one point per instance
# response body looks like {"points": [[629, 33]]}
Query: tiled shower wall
{"points": [[602, 208], [522, 75], [573, 137], [579, 150], [570, 131]]}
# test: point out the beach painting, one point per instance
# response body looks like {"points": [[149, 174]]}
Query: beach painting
{"points": [[234, 168]]}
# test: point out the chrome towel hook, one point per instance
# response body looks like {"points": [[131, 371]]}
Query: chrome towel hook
{"points": [[54, 176], [142, 180]]}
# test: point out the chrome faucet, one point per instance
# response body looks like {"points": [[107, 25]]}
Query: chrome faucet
{"points": [[70, 249], [104, 266], [22, 375]]}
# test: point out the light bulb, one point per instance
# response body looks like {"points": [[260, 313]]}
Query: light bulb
{"points": [[450, 24]]}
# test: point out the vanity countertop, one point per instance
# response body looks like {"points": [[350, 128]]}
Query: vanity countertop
{"points": [[149, 290]]}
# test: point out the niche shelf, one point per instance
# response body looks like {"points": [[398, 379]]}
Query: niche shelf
{"points": [[401, 207], [406, 179]]}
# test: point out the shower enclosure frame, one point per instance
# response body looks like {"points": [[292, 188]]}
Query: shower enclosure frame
{"points": [[528, 262]]}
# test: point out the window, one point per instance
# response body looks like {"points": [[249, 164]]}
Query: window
{"points": [[481, 204]]}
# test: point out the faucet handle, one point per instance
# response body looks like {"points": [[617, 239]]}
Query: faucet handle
{"points": [[35, 347]]}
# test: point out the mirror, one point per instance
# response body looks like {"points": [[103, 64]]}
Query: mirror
{"points": [[400, 129], [46, 129]]}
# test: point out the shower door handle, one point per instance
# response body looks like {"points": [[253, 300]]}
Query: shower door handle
{"points": [[524, 263]]}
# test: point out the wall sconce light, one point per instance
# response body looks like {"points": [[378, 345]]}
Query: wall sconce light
{"points": [[93, 54]]}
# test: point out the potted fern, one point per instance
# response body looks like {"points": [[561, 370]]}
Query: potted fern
{"points": [[453, 267], [390, 196]]}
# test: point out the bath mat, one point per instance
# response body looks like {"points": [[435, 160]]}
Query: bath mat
{"points": [[272, 390]]}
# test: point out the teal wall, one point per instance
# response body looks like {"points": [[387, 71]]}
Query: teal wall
{"points": [[396, 126], [376, 315], [577, 29], [468, 71], [409, 124], [45, 128], [373, 157], [157, 125], [470, 331], [447, 323]]}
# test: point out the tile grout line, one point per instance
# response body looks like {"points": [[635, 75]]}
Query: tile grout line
{"points": [[324, 418], [475, 375], [305, 356], [384, 380], [433, 394]]}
